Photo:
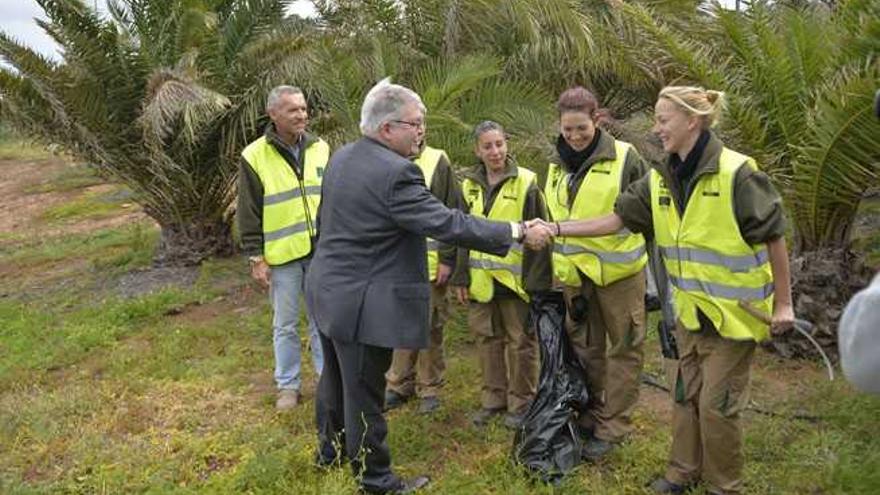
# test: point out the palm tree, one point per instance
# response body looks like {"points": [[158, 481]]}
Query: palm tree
{"points": [[160, 96], [800, 82], [359, 48]]}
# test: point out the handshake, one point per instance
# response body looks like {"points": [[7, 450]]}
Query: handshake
{"points": [[539, 233]]}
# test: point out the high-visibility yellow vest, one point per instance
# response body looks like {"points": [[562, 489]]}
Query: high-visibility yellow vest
{"points": [[556, 196], [605, 259], [710, 265], [290, 206], [508, 206], [428, 161]]}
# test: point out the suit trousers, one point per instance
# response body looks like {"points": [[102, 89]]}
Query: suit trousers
{"points": [[710, 393], [420, 371], [348, 408], [610, 347], [508, 355]]}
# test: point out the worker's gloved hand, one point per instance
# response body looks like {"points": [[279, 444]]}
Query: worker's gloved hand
{"points": [[578, 308]]}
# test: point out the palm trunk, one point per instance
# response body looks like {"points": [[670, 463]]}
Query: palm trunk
{"points": [[191, 243]]}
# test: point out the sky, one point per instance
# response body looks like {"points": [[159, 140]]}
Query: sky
{"points": [[17, 20]]}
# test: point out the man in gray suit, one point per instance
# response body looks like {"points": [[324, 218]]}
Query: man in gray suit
{"points": [[368, 281]]}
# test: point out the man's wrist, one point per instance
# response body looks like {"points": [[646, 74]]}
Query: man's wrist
{"points": [[517, 231], [253, 260]]}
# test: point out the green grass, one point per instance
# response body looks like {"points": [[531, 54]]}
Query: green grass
{"points": [[14, 148], [172, 392], [134, 242], [71, 178], [121, 397], [89, 206]]}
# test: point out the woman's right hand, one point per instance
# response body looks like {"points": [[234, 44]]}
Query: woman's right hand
{"points": [[462, 294]]}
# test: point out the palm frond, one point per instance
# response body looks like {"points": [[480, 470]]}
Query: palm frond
{"points": [[840, 155]]}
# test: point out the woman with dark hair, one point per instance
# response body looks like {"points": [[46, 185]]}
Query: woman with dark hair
{"points": [[604, 277], [498, 287]]}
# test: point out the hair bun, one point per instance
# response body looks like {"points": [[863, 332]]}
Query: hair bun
{"points": [[714, 96]]}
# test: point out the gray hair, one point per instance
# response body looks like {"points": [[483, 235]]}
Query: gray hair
{"points": [[279, 91], [486, 126], [384, 103]]}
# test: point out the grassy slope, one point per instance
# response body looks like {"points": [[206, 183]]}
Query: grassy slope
{"points": [[171, 392]]}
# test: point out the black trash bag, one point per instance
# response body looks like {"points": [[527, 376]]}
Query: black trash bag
{"points": [[548, 442]]}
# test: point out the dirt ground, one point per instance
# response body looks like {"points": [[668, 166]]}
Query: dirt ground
{"points": [[23, 204]]}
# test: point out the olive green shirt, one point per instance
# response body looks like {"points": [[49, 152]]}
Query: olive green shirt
{"points": [[536, 268], [634, 167], [444, 186], [757, 204]]}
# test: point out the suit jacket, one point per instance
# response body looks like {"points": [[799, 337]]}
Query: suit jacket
{"points": [[368, 280]]}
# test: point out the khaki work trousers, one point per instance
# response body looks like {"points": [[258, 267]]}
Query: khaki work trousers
{"points": [[710, 392], [508, 356], [420, 371], [610, 347]]}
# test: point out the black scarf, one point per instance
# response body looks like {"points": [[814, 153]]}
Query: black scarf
{"points": [[572, 159], [683, 172]]}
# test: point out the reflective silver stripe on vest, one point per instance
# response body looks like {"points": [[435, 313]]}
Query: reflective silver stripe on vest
{"points": [[733, 263], [605, 256], [495, 265], [433, 245], [285, 232], [288, 195], [723, 291]]}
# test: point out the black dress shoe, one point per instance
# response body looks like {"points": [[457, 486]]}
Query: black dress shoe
{"points": [[403, 486], [413, 484]]}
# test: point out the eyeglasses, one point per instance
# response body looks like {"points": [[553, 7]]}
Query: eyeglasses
{"points": [[414, 125]]}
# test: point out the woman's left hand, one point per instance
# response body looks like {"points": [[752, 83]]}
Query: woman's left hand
{"points": [[783, 319]]}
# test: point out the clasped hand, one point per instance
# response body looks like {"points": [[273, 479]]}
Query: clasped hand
{"points": [[539, 233]]}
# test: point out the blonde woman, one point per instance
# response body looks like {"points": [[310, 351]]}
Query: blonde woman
{"points": [[718, 223]]}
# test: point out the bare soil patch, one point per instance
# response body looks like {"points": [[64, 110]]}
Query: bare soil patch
{"points": [[22, 208], [139, 282]]}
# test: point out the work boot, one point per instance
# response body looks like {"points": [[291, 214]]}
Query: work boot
{"points": [[596, 449], [663, 485], [287, 399], [514, 421], [585, 432], [484, 415], [393, 400], [429, 404]]}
